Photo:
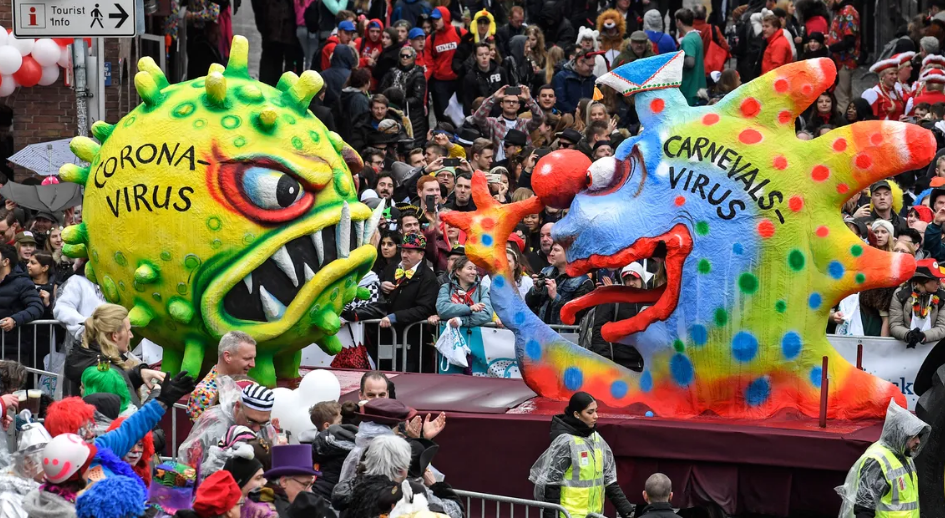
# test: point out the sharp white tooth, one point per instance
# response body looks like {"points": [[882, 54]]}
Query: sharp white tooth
{"points": [[359, 232], [271, 305], [284, 262], [248, 281], [309, 274], [343, 241], [319, 247], [372, 224]]}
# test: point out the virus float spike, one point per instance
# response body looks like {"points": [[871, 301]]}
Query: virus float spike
{"points": [[216, 68], [148, 89], [146, 274], [238, 64], [76, 251], [268, 118], [74, 173], [140, 316], [101, 130], [336, 141], [216, 89], [331, 344], [90, 273], [75, 234], [328, 320], [180, 310], [287, 81], [302, 92], [84, 148], [146, 64]]}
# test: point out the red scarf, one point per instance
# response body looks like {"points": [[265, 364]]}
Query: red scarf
{"points": [[463, 297]]}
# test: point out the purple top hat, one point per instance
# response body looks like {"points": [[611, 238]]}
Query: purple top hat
{"points": [[291, 459]]}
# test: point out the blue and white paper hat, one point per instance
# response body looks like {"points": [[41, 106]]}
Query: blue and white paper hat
{"points": [[654, 73]]}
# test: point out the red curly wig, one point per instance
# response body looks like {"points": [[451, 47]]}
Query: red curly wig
{"points": [[143, 467], [68, 415]]}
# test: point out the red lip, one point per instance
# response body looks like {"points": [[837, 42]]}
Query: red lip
{"points": [[678, 243]]}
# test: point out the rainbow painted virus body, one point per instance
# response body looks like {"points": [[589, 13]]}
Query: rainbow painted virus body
{"points": [[746, 219], [222, 204]]}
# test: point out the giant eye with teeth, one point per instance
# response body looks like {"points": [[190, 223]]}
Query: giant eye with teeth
{"points": [[271, 190], [265, 191]]}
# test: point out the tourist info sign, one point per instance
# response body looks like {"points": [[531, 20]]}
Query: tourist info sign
{"points": [[78, 18]]}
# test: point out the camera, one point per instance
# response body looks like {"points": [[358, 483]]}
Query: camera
{"points": [[540, 281]]}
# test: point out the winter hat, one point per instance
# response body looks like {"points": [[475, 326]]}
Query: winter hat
{"points": [[933, 60], [653, 21], [68, 415], [218, 494], [923, 213], [883, 64], [517, 241], [415, 242], [816, 36], [102, 378], [142, 468], [66, 457], [639, 36], [933, 75], [884, 224], [905, 58], [242, 464], [105, 403], [113, 497], [257, 397]]}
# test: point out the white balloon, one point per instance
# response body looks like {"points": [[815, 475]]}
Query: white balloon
{"points": [[7, 86], [10, 60], [319, 385], [299, 422], [50, 75], [285, 405], [46, 52], [4, 35], [65, 57], [24, 45]]}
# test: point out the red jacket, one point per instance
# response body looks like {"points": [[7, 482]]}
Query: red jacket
{"points": [[442, 45], [929, 96], [327, 50], [778, 52], [365, 46]]}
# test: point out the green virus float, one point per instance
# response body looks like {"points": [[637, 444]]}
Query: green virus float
{"points": [[223, 204]]}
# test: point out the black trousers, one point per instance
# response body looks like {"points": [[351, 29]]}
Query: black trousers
{"points": [[277, 58], [441, 92]]}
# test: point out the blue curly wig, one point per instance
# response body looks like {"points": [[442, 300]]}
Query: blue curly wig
{"points": [[114, 497]]}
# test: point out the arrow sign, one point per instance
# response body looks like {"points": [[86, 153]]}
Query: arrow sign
{"points": [[122, 15]]}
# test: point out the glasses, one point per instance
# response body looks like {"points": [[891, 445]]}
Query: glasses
{"points": [[306, 486], [406, 56], [564, 144]]}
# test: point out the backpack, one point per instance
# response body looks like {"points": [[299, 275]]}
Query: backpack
{"points": [[313, 16], [586, 329]]}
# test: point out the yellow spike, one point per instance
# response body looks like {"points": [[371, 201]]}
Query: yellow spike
{"points": [[84, 148], [268, 118], [101, 130], [77, 251], [75, 234], [146, 274], [336, 141], [146, 64], [238, 65], [216, 88], [148, 89], [287, 81], [74, 173], [90, 273], [140, 316], [301, 93], [180, 310], [216, 68]]}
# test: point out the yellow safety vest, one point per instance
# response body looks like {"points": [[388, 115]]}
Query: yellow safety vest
{"points": [[902, 500], [582, 490]]}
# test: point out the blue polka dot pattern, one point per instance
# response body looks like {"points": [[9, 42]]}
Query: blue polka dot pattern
{"points": [[835, 269], [646, 381], [738, 248], [619, 389], [499, 281], [681, 368], [533, 350], [573, 378], [791, 345], [487, 239], [519, 318], [815, 301], [757, 392], [699, 334], [815, 375], [744, 346]]}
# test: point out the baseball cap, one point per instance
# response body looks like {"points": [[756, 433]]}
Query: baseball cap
{"points": [[882, 184], [436, 15], [928, 269], [415, 33], [25, 237], [374, 25], [634, 269], [347, 26], [639, 36]]}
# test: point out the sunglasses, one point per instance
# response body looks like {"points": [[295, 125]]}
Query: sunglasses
{"points": [[406, 56], [564, 144]]}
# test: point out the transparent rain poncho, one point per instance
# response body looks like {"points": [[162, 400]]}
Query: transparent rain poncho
{"points": [[550, 468], [367, 431], [865, 484]]}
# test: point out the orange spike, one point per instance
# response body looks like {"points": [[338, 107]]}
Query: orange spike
{"points": [[795, 87]]}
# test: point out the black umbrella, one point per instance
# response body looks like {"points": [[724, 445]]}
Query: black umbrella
{"points": [[49, 198]]}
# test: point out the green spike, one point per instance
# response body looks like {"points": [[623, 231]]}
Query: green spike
{"points": [[216, 88], [216, 68], [330, 344], [74, 173], [75, 234], [148, 89], [238, 65], [110, 290], [180, 310], [363, 294], [268, 118], [84, 148], [287, 81], [140, 316], [102, 130], [77, 251], [146, 64], [336, 141], [90, 273], [146, 274], [193, 352], [301, 94], [327, 321]]}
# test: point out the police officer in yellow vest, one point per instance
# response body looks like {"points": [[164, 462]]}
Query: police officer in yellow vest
{"points": [[883, 483], [578, 470]]}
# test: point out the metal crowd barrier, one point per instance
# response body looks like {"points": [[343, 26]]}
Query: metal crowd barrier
{"points": [[54, 327], [485, 500]]}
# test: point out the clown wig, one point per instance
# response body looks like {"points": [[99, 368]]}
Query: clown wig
{"points": [[143, 467], [96, 379], [68, 415]]}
